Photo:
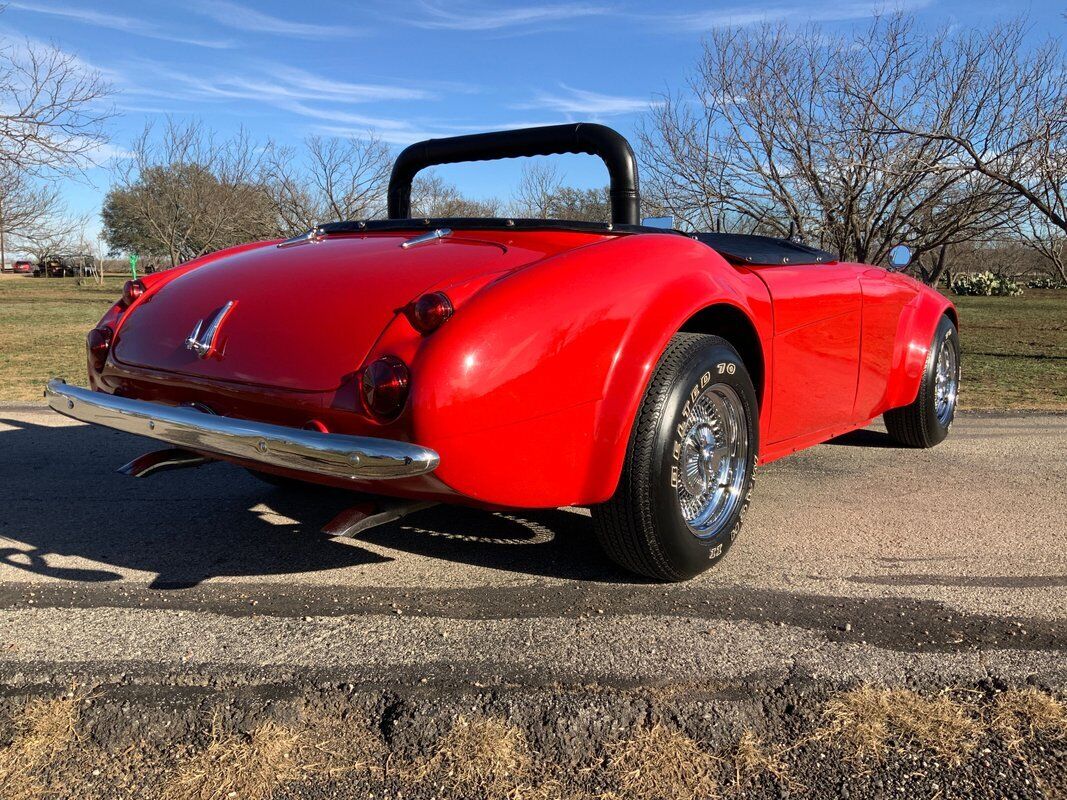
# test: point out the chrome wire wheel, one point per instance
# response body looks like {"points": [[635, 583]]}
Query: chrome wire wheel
{"points": [[713, 460], [946, 383]]}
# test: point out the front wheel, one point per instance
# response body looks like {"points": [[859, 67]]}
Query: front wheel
{"points": [[926, 421], [689, 465]]}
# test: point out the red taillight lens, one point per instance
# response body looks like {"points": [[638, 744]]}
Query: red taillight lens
{"points": [[429, 312], [99, 342], [131, 291], [384, 387]]}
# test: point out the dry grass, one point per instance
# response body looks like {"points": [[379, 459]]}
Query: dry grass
{"points": [[752, 760], [864, 720], [485, 758], [661, 764], [249, 766], [1019, 715], [42, 735]]}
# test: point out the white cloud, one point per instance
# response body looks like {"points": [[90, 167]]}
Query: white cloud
{"points": [[243, 18], [581, 102], [279, 86], [115, 22], [802, 11], [481, 18]]}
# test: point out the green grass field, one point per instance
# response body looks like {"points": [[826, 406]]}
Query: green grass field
{"points": [[1015, 348]]}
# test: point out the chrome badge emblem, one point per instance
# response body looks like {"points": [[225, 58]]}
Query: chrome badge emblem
{"points": [[206, 333]]}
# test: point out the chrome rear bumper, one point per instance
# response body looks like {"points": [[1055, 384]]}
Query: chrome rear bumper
{"points": [[332, 454]]}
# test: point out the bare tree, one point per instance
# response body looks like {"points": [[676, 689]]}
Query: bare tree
{"points": [[538, 186], [186, 193], [327, 179], [1034, 231], [432, 196], [52, 109], [58, 234], [770, 137], [26, 206], [997, 108]]}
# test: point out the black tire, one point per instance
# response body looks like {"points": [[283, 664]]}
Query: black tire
{"points": [[642, 527], [918, 424]]}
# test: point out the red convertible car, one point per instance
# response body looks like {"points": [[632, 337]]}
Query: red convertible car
{"points": [[640, 371]]}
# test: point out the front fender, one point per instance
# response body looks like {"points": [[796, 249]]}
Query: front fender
{"points": [[529, 392], [915, 334]]}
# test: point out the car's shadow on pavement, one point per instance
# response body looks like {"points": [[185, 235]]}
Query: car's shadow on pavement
{"points": [[866, 437], [62, 500]]}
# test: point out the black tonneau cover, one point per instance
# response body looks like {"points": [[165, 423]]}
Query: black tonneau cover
{"points": [[763, 249]]}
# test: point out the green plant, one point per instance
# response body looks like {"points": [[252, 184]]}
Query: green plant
{"points": [[984, 284], [1045, 282]]}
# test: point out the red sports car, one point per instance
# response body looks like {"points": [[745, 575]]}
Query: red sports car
{"points": [[640, 371]]}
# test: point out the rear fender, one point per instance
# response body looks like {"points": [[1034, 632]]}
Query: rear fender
{"points": [[528, 393], [915, 334]]}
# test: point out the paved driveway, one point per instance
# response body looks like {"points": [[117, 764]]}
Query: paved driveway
{"points": [[858, 560]]}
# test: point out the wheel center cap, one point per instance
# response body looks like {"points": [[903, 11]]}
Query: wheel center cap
{"points": [[699, 459]]}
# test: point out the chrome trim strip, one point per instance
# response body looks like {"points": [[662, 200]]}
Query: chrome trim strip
{"points": [[314, 235], [436, 233], [334, 455]]}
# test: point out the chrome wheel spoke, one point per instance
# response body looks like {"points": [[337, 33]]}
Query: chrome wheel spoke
{"points": [[946, 381], [713, 460]]}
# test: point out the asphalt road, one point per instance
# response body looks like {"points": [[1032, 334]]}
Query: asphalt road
{"points": [[858, 560]]}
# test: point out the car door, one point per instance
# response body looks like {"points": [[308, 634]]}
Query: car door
{"points": [[816, 346], [885, 294]]}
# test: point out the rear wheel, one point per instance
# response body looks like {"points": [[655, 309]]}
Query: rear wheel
{"points": [[689, 464], [925, 422]]}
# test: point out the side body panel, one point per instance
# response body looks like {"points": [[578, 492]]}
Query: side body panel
{"points": [[817, 318], [885, 296]]}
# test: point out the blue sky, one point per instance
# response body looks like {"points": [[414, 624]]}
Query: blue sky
{"points": [[410, 69]]}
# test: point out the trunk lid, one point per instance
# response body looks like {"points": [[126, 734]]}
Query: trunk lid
{"points": [[305, 316]]}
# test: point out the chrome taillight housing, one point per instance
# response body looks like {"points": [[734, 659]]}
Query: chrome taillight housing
{"points": [[383, 387]]}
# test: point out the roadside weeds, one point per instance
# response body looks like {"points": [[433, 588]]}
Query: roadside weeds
{"points": [[49, 753]]}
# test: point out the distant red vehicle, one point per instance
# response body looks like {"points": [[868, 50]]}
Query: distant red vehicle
{"points": [[22, 267], [523, 363]]}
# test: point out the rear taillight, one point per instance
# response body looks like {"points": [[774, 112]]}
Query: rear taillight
{"points": [[384, 387], [99, 342], [429, 312], [131, 291]]}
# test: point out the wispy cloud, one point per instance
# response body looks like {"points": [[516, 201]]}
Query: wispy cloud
{"points": [[581, 102], [281, 87], [484, 18], [244, 18], [116, 22], [801, 11]]}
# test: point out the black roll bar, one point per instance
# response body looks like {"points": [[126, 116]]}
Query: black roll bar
{"points": [[581, 137]]}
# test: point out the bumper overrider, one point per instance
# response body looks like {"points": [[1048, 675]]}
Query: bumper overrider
{"points": [[336, 455]]}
